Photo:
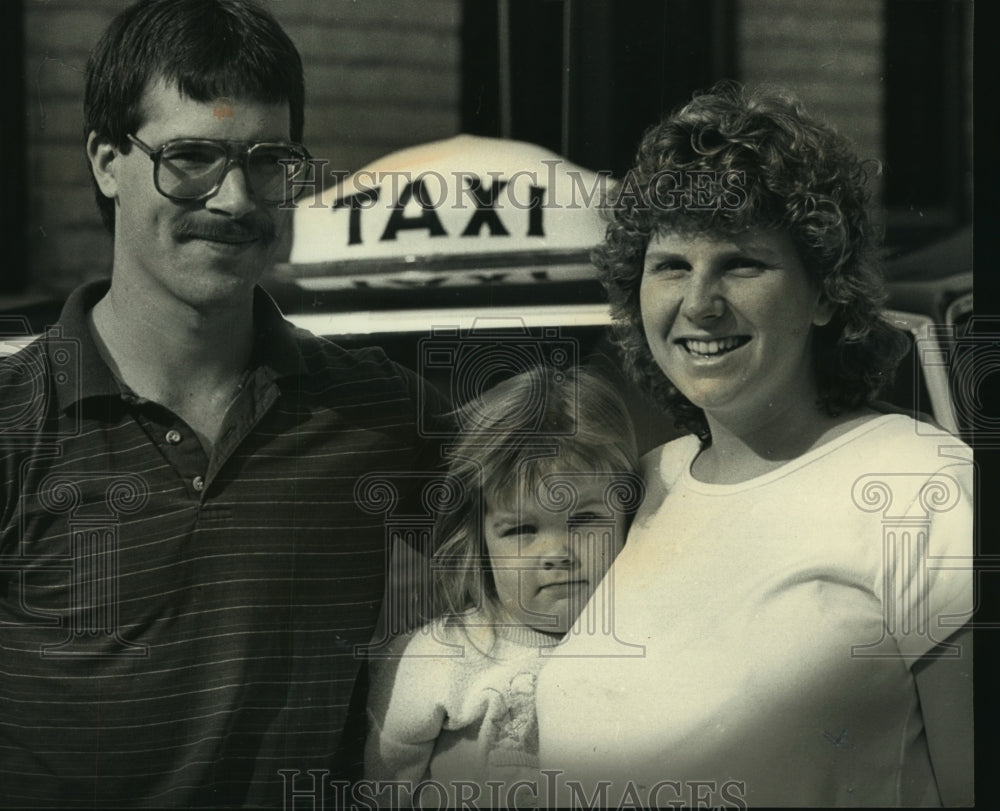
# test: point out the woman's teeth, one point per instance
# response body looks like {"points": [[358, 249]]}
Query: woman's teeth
{"points": [[715, 347]]}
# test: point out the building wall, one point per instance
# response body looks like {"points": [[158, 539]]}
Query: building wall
{"points": [[967, 83], [380, 75], [829, 53], [384, 74], [833, 54]]}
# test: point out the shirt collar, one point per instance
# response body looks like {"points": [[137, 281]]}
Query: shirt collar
{"points": [[71, 347]]}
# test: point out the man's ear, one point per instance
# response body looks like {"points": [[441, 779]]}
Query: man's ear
{"points": [[102, 156]]}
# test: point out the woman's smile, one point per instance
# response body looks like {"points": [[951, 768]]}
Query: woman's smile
{"points": [[712, 347]]}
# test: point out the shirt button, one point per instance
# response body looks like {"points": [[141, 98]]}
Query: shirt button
{"points": [[173, 436], [198, 483]]}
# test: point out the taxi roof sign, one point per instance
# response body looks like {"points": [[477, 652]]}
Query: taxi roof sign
{"points": [[463, 204]]}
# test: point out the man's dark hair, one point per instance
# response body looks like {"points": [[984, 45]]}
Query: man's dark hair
{"points": [[207, 49]]}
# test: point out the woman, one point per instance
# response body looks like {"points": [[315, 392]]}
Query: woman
{"points": [[782, 576]]}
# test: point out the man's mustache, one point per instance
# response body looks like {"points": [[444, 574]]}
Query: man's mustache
{"points": [[245, 230]]}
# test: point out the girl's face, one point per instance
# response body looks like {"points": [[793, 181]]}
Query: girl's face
{"points": [[549, 552], [729, 319]]}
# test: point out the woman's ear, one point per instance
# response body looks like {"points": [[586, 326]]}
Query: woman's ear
{"points": [[102, 156], [824, 310]]}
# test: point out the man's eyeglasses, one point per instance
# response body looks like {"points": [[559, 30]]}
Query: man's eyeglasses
{"points": [[193, 168]]}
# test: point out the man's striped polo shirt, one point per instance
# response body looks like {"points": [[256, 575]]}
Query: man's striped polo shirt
{"points": [[178, 628]]}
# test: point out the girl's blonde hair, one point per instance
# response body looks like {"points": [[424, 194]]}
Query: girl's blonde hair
{"points": [[540, 421]]}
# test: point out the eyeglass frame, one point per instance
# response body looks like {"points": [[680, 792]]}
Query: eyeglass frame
{"points": [[236, 152]]}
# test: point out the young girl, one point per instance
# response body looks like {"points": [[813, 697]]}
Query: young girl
{"points": [[546, 465]]}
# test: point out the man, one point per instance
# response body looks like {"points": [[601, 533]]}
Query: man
{"points": [[185, 568]]}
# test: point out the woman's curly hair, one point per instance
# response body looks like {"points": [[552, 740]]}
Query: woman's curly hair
{"points": [[775, 167]]}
